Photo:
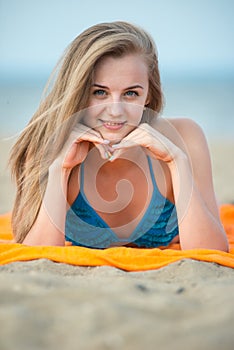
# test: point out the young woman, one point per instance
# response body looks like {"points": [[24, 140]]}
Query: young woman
{"points": [[98, 167]]}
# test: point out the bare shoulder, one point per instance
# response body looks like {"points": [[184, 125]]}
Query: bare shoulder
{"points": [[189, 136], [194, 140], [183, 132], [187, 128]]}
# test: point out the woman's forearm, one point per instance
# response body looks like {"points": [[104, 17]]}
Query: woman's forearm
{"points": [[198, 228], [49, 227]]}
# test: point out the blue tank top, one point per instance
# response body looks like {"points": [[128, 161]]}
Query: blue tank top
{"points": [[85, 227]]}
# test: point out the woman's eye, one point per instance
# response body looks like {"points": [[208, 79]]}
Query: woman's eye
{"points": [[99, 92], [131, 93]]}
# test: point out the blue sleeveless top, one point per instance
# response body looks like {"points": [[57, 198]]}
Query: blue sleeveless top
{"points": [[84, 226]]}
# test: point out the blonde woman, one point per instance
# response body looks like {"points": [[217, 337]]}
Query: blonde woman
{"points": [[97, 165]]}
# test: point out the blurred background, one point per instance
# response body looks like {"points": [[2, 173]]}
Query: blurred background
{"points": [[195, 41]]}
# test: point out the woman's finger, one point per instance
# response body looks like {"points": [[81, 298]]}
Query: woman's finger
{"points": [[103, 150], [82, 132]]}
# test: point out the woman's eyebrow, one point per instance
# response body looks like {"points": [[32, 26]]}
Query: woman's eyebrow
{"points": [[134, 87], [100, 86], [128, 88]]}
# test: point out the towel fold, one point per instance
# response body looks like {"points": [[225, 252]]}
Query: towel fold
{"points": [[126, 258]]}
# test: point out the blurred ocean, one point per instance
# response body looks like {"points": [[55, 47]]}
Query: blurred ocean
{"points": [[210, 102]]}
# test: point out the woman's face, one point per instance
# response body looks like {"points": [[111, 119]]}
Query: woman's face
{"points": [[118, 95]]}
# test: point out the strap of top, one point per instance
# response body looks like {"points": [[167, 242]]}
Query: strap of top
{"points": [[82, 177], [152, 173]]}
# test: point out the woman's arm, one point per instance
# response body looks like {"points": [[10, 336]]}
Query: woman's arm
{"points": [[197, 210], [49, 227], [181, 144]]}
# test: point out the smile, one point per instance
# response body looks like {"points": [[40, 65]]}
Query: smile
{"points": [[112, 125]]}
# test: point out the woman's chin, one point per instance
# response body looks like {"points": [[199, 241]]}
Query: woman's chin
{"points": [[115, 137], [112, 138]]}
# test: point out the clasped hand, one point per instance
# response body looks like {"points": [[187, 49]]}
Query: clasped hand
{"points": [[77, 146]]}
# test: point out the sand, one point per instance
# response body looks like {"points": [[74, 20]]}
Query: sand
{"points": [[186, 305]]}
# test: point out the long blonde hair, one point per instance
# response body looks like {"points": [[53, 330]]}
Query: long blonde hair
{"points": [[70, 93]]}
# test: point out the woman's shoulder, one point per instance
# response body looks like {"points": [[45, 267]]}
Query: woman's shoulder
{"points": [[185, 126], [184, 132]]}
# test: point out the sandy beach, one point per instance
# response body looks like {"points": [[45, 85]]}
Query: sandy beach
{"points": [[185, 305], [188, 304]]}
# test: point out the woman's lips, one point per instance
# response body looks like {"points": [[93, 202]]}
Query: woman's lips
{"points": [[112, 125]]}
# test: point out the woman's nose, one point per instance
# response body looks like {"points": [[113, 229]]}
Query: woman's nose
{"points": [[115, 109]]}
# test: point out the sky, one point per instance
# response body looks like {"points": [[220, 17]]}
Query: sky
{"points": [[192, 37]]}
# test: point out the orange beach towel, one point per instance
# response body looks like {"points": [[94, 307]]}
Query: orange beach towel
{"points": [[129, 259]]}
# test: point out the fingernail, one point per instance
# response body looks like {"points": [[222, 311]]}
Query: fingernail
{"points": [[106, 142], [106, 155], [115, 146], [111, 158]]}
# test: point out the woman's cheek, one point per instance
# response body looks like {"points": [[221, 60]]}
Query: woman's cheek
{"points": [[92, 116], [135, 118]]}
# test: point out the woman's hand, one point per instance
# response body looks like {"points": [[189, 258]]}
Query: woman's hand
{"points": [[151, 139], [77, 146]]}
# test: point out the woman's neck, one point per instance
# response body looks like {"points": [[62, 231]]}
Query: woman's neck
{"points": [[131, 156]]}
